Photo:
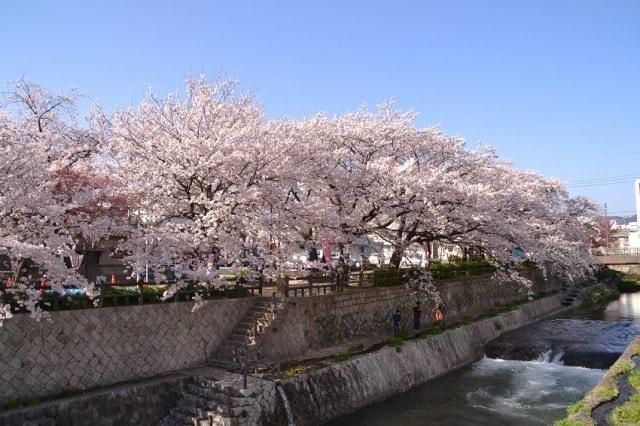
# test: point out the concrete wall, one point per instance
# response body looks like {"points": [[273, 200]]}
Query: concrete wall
{"points": [[617, 260], [627, 269], [318, 322], [321, 395], [84, 349]]}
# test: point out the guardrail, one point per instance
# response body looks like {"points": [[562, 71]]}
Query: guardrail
{"points": [[603, 251], [311, 285]]}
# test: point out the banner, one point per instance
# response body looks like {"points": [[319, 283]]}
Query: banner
{"points": [[326, 249]]}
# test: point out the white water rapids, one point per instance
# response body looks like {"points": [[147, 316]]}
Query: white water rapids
{"points": [[488, 392]]}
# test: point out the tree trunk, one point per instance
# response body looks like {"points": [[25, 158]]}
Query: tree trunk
{"points": [[396, 257], [313, 254]]}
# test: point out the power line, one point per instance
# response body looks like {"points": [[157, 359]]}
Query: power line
{"points": [[571, 156], [600, 184], [578, 181]]}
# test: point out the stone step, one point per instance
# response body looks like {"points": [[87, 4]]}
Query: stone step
{"points": [[173, 421], [259, 311], [211, 384], [212, 400], [248, 324], [195, 398], [224, 364], [236, 339], [181, 417], [187, 409]]}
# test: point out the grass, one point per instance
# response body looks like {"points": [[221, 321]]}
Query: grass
{"points": [[634, 380], [342, 357], [353, 350], [497, 326], [626, 414], [569, 422], [492, 312], [578, 406], [398, 340], [435, 329], [293, 372], [37, 400], [607, 393], [623, 367], [629, 412]]}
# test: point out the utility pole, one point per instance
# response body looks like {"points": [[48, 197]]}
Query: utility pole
{"points": [[608, 225]]}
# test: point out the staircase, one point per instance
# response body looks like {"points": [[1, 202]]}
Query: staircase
{"points": [[571, 296], [207, 402], [241, 343]]}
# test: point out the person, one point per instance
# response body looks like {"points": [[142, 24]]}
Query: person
{"points": [[396, 321], [438, 314], [417, 313]]}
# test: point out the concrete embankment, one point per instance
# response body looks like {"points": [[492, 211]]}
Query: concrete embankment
{"points": [[315, 397], [325, 394], [615, 399]]}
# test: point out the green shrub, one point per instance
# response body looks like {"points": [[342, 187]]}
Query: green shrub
{"points": [[389, 277], [497, 326], [628, 285]]}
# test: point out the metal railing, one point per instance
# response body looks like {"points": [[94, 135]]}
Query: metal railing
{"points": [[611, 251]]}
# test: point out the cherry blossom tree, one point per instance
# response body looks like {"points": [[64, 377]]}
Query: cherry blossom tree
{"points": [[206, 168], [41, 217], [206, 175], [375, 173]]}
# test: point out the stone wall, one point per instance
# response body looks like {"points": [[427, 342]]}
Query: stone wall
{"points": [[143, 404], [627, 269], [91, 348], [318, 322], [325, 394]]}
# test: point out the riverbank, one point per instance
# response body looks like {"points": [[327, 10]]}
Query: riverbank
{"points": [[318, 396], [615, 399], [350, 382]]}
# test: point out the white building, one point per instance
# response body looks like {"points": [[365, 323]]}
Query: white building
{"points": [[634, 227]]}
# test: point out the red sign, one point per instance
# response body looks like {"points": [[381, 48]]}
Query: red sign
{"points": [[326, 249]]}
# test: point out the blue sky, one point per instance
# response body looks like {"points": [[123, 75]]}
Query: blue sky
{"points": [[553, 85]]}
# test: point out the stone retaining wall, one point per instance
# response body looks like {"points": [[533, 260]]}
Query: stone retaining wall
{"points": [[142, 404], [91, 348], [325, 394], [313, 323]]}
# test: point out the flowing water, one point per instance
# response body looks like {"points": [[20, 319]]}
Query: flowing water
{"points": [[499, 392], [287, 406]]}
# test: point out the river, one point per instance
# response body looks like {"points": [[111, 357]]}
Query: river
{"points": [[504, 392]]}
